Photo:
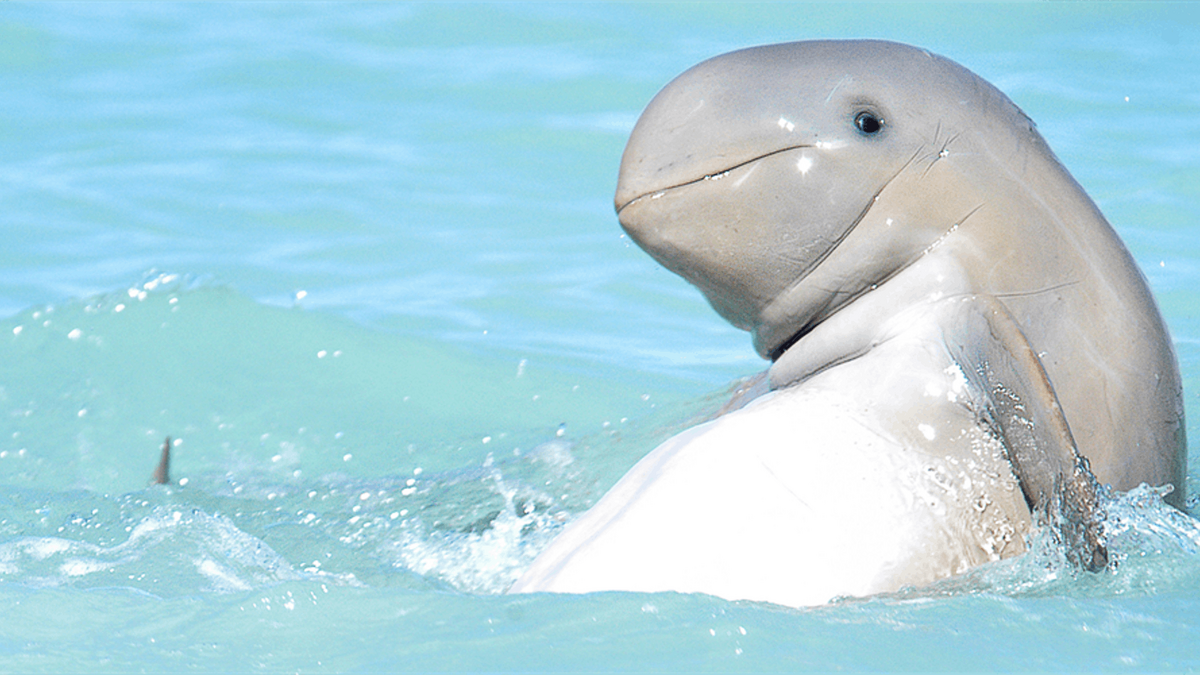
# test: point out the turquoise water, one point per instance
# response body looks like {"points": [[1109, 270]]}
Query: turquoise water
{"points": [[360, 263]]}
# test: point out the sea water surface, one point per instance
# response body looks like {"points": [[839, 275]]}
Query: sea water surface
{"points": [[360, 263]]}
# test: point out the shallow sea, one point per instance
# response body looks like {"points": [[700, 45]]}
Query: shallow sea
{"points": [[360, 263]]}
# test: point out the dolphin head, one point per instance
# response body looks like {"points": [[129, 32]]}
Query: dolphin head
{"points": [[747, 172]]}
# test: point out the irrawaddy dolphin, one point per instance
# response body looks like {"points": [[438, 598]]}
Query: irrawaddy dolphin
{"points": [[962, 347]]}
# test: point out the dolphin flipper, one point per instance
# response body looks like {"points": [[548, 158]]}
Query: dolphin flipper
{"points": [[1020, 406]]}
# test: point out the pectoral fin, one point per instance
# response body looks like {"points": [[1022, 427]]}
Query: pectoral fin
{"points": [[1019, 404]]}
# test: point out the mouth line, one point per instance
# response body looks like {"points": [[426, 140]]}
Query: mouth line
{"points": [[716, 175]]}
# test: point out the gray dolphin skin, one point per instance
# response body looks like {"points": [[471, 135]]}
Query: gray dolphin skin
{"points": [[962, 347]]}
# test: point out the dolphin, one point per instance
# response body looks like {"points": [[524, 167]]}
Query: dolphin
{"points": [[162, 472], [962, 347]]}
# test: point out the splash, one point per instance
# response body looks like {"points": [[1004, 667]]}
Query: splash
{"points": [[489, 555], [1153, 547], [168, 550]]}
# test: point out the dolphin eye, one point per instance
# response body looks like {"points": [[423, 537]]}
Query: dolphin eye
{"points": [[868, 123]]}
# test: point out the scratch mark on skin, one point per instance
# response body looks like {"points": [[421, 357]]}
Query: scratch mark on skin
{"points": [[746, 176], [943, 150], [941, 239], [1039, 291], [783, 483], [844, 80], [1111, 406]]}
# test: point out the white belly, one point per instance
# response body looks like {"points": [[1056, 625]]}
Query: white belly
{"points": [[866, 478]]}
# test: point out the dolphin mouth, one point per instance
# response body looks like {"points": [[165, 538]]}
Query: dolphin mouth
{"points": [[715, 175]]}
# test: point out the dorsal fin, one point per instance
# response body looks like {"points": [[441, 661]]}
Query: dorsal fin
{"points": [[162, 473]]}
